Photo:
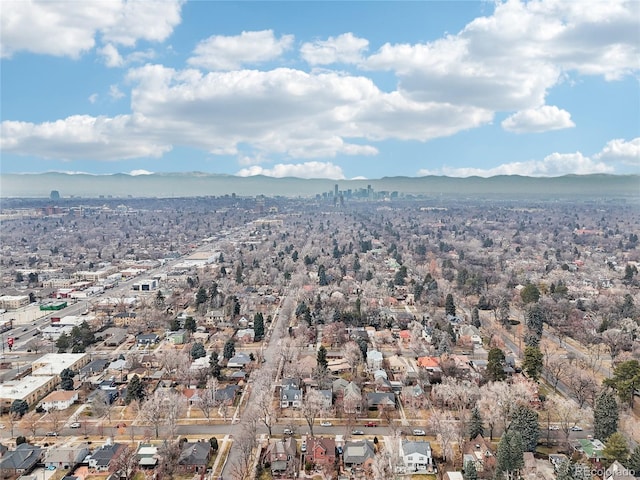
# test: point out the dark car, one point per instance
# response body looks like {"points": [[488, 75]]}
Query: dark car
{"points": [[371, 424]]}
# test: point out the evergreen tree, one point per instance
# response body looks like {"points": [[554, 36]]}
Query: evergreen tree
{"points": [[321, 358], [66, 379], [495, 365], [530, 293], [135, 390], [214, 365], [535, 319], [322, 276], [510, 456], [449, 306], [475, 317], [565, 470], [525, 421], [190, 324], [258, 326], [470, 471], [19, 407], [201, 296], [476, 426], [532, 364], [616, 448], [605, 415], [229, 349], [198, 351], [625, 379], [633, 463]]}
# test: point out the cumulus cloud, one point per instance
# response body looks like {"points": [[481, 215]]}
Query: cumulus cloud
{"points": [[345, 48], [111, 56], [554, 165], [220, 52], [510, 59], [72, 138], [299, 170], [115, 93], [93, 98], [619, 150], [536, 120], [135, 173], [50, 28]]}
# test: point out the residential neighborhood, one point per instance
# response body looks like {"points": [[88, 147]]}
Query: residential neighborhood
{"points": [[385, 337]]}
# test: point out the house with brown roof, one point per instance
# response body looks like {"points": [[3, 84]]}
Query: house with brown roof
{"points": [[321, 451], [59, 400]]}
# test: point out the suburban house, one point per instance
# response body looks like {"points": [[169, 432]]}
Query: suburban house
{"points": [[245, 335], [179, 337], [321, 451], [195, 457], [147, 339], [239, 360], [416, 456], [352, 398], [591, 448], [291, 397], [374, 360], [479, 451], [617, 471], [102, 459], [59, 400], [381, 400], [20, 461], [358, 455], [227, 395], [282, 455], [65, 457], [472, 332]]}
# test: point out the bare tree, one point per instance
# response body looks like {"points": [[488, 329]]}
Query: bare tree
{"points": [[126, 463], [245, 444], [54, 419], [174, 405], [267, 411], [443, 425], [30, 422], [353, 355], [13, 418], [555, 369], [313, 406], [582, 385], [101, 405], [567, 414], [153, 410], [207, 400]]}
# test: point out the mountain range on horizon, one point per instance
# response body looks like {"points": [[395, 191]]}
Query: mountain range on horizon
{"points": [[195, 184]]}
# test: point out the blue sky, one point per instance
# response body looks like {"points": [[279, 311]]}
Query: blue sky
{"points": [[321, 89]]}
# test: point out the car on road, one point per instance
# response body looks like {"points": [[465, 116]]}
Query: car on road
{"points": [[554, 427], [51, 434], [418, 432], [371, 424], [357, 432], [75, 425], [287, 431], [576, 428], [326, 424]]}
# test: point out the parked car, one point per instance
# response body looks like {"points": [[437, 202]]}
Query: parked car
{"points": [[418, 432], [326, 424], [303, 447], [554, 427], [371, 424], [357, 432], [51, 434], [576, 428], [75, 425], [287, 431]]}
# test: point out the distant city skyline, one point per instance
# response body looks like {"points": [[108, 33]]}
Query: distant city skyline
{"points": [[336, 90]]}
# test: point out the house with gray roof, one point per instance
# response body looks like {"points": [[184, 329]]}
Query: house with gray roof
{"points": [[21, 460], [65, 457], [358, 455], [101, 459], [416, 456], [291, 397], [376, 400], [194, 457]]}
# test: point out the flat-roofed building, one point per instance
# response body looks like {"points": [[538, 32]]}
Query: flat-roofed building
{"points": [[30, 389], [55, 363], [13, 302]]}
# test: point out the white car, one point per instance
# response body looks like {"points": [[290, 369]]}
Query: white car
{"points": [[418, 432], [554, 427], [75, 425], [326, 424], [287, 431], [576, 428]]}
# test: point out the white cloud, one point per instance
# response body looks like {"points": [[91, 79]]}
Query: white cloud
{"points": [[115, 93], [80, 136], [299, 170], [93, 98], [536, 120], [63, 29], [619, 150], [112, 57], [220, 52], [554, 165], [345, 48], [135, 173], [509, 60]]}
